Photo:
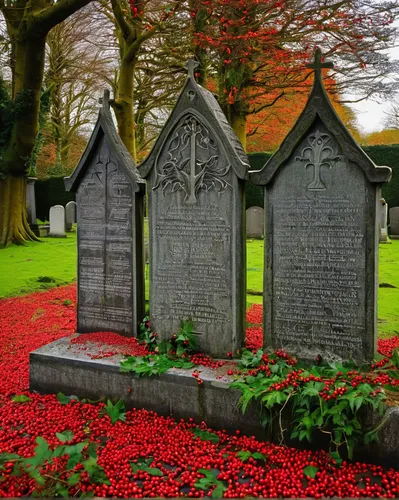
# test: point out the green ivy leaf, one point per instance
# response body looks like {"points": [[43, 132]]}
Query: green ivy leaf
{"points": [[310, 471], [259, 456], [64, 400], [64, 436], [116, 412], [219, 490], [154, 471], [73, 479], [21, 398], [244, 455], [205, 435]]}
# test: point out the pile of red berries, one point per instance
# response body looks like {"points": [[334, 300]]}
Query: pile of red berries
{"points": [[173, 446]]}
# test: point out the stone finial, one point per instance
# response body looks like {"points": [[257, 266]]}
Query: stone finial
{"points": [[190, 66], [318, 64], [105, 100]]}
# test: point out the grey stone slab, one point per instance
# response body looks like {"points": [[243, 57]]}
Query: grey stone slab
{"points": [[57, 221], [394, 221], [321, 199], [255, 217], [195, 173], [109, 196], [31, 200], [63, 367], [383, 221], [70, 214]]}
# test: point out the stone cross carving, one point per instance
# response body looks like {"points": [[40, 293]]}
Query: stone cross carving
{"points": [[318, 64], [318, 154]]}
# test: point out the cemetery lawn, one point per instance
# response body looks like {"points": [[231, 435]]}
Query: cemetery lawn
{"points": [[37, 266]]}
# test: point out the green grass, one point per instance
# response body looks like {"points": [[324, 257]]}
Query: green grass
{"points": [[388, 298], [37, 266], [22, 270]]}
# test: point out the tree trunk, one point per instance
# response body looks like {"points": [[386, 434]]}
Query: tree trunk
{"points": [[239, 125], [123, 107], [14, 227], [29, 67]]}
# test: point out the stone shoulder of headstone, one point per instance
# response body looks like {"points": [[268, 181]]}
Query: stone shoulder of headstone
{"points": [[105, 126], [320, 105], [198, 101]]}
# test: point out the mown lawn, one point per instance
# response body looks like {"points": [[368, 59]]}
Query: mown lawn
{"points": [[38, 266]]}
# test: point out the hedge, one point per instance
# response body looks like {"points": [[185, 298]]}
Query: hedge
{"points": [[52, 191], [381, 155], [49, 193]]}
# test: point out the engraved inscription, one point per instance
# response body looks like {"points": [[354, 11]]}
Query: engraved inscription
{"points": [[193, 275], [193, 162], [319, 258], [105, 248]]}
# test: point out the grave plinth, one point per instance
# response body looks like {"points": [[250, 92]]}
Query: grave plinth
{"points": [[195, 174], [109, 197], [322, 196]]}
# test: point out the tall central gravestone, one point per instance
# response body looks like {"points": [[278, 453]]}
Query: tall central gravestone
{"points": [[109, 197], [322, 194], [195, 174]]}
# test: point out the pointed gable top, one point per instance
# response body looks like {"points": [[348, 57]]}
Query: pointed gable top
{"points": [[200, 102], [105, 127], [319, 106]]}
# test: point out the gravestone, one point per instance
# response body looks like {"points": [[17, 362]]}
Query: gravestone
{"points": [[195, 173], [109, 196], [31, 205], [321, 244], [57, 221], [383, 221], [394, 222], [255, 222], [70, 215]]}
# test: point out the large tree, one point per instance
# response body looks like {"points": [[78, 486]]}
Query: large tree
{"points": [[261, 47], [136, 22], [28, 24]]}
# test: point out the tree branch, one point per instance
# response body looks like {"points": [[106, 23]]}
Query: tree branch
{"points": [[41, 23], [120, 18]]}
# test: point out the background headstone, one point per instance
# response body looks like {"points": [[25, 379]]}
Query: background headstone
{"points": [[195, 174], [255, 222], [70, 215], [31, 205], [394, 221], [109, 196], [321, 198], [383, 221], [57, 221]]}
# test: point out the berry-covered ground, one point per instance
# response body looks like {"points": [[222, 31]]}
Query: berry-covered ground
{"points": [[146, 455]]}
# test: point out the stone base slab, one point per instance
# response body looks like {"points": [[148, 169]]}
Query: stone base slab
{"points": [[70, 368]]}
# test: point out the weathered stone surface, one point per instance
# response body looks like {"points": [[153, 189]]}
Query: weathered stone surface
{"points": [[70, 214], [255, 222], [394, 221], [195, 174], [321, 197], [57, 221], [109, 195], [31, 205]]}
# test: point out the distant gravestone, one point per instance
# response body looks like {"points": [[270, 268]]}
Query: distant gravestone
{"points": [[255, 222], [31, 205], [321, 197], [109, 196], [70, 215], [57, 221], [195, 173], [394, 221], [383, 221]]}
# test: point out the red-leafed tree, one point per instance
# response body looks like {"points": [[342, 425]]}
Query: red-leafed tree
{"points": [[261, 47]]}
